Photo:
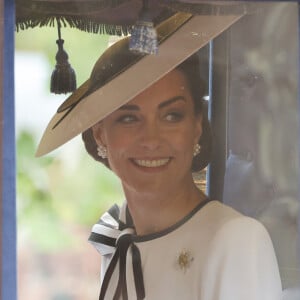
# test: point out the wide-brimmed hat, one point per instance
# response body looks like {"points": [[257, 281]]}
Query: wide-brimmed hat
{"points": [[179, 37]]}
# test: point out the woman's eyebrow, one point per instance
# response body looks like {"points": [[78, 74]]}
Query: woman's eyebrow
{"points": [[172, 100], [161, 105], [129, 107]]}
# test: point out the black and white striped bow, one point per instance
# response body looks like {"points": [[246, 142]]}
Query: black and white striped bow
{"points": [[114, 234]]}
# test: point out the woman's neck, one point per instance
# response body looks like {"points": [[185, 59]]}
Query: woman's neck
{"points": [[157, 210]]}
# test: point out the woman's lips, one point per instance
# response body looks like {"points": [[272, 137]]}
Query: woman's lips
{"points": [[152, 163]]}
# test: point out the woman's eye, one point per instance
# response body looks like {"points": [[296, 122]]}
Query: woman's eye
{"points": [[174, 117], [127, 119]]}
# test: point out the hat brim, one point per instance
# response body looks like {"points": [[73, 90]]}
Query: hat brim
{"points": [[187, 40]]}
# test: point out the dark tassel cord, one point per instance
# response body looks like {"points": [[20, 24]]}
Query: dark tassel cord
{"points": [[63, 78]]}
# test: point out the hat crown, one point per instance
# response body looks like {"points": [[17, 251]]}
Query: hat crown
{"points": [[112, 62]]}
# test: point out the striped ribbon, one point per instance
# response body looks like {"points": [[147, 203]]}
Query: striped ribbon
{"points": [[113, 234]]}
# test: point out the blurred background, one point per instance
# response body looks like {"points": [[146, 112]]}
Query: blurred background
{"points": [[60, 196]]}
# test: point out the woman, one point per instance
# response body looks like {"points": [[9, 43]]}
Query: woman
{"points": [[168, 240]]}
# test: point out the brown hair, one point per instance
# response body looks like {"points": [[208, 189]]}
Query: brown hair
{"points": [[190, 69]]}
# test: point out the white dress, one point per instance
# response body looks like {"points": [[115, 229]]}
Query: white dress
{"points": [[214, 253]]}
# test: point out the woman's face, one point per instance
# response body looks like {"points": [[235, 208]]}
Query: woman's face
{"points": [[150, 139]]}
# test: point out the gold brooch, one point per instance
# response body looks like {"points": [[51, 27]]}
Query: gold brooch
{"points": [[184, 260]]}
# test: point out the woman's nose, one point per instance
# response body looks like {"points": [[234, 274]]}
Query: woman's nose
{"points": [[150, 136]]}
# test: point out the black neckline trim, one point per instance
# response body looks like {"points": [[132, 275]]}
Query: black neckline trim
{"points": [[152, 236]]}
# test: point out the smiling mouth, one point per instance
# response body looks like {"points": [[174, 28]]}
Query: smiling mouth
{"points": [[151, 163]]}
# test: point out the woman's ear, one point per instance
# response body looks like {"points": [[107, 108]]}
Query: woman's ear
{"points": [[98, 134]]}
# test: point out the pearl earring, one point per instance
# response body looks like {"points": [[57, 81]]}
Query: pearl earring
{"points": [[102, 151], [197, 149]]}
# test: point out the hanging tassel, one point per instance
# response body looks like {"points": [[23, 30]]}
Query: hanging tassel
{"points": [[63, 78], [144, 37]]}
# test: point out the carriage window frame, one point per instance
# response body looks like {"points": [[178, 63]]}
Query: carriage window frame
{"points": [[8, 287]]}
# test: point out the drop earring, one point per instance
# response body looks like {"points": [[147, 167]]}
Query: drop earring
{"points": [[197, 149], [102, 151]]}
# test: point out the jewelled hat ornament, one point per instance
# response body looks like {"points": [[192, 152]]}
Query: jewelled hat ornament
{"points": [[179, 37]]}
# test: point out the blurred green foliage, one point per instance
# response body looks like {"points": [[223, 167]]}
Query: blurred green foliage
{"points": [[53, 195]]}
